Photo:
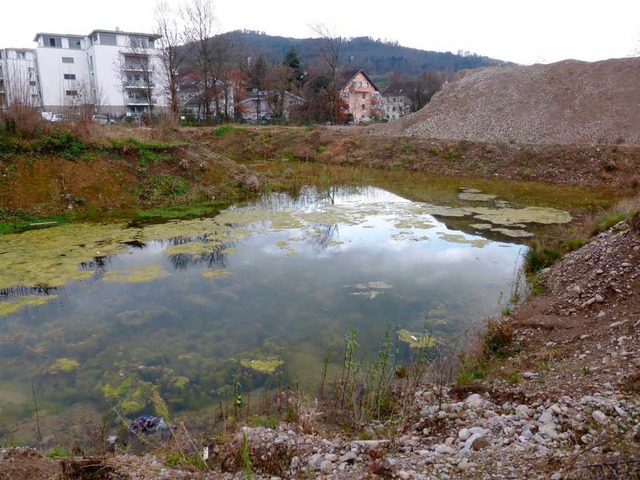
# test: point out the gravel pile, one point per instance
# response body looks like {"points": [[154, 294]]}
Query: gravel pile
{"points": [[568, 102]]}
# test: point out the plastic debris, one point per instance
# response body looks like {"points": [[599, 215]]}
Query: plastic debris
{"points": [[147, 423]]}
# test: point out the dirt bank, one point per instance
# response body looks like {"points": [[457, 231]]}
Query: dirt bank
{"points": [[202, 164]]}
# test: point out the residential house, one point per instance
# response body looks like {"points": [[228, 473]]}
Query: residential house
{"points": [[18, 78], [395, 103], [106, 71], [192, 101], [269, 105], [361, 97]]}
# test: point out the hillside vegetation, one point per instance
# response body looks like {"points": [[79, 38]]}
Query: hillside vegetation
{"points": [[378, 58]]}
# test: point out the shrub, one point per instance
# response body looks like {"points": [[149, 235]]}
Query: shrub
{"points": [[572, 244], [608, 220], [539, 257], [497, 340]]}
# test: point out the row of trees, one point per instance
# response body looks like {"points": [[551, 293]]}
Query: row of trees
{"points": [[212, 66]]}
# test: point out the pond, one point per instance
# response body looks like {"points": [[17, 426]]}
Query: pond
{"points": [[110, 314]]}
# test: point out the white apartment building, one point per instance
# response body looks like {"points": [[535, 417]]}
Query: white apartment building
{"points": [[106, 71], [18, 78]]}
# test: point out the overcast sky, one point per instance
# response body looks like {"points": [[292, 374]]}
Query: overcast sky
{"points": [[524, 31]]}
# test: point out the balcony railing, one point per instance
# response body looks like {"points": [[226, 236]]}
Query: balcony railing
{"points": [[139, 84], [136, 67]]}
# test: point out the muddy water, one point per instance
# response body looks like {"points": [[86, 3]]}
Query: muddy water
{"points": [[109, 315]]}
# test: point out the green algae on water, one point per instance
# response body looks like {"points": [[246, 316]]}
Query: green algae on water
{"points": [[212, 273], [7, 308], [266, 365], [415, 340], [454, 238], [64, 365], [513, 233], [136, 274]]}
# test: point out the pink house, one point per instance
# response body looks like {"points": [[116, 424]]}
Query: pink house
{"points": [[362, 98]]}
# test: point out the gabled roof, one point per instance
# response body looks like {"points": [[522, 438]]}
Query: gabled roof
{"points": [[349, 75]]}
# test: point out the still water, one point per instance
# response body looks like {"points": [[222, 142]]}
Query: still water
{"points": [[173, 309]]}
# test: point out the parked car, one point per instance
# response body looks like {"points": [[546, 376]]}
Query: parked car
{"points": [[52, 117], [102, 120]]}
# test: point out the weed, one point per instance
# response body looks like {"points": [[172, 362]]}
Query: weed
{"points": [[607, 220], [223, 130], [572, 244], [159, 186], [435, 150], [263, 421], [544, 366], [506, 311], [320, 149], [539, 257], [194, 461], [466, 376], [586, 371], [452, 155], [513, 378], [396, 166], [246, 458], [57, 452], [498, 338]]}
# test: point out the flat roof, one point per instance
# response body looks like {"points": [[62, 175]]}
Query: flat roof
{"points": [[155, 36], [42, 34]]}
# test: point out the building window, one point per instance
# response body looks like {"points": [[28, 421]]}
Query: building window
{"points": [[68, 60], [363, 107], [364, 95], [69, 76], [366, 84], [75, 44], [32, 83], [108, 39], [71, 93], [353, 84], [21, 55], [345, 94]]}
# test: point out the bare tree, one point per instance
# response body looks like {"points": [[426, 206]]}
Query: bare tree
{"points": [[20, 99], [200, 19], [172, 52], [136, 68], [278, 84], [330, 47]]}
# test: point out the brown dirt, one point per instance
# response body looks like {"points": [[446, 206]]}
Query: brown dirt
{"points": [[581, 335], [567, 102]]}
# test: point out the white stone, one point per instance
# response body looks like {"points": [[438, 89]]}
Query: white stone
{"points": [[444, 450], [599, 417], [464, 434], [523, 412], [549, 429], [474, 400]]}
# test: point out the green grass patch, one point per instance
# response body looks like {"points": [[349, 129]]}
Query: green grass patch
{"points": [[161, 186], [607, 220], [57, 452], [539, 257], [223, 130]]}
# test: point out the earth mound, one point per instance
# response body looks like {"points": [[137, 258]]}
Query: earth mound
{"points": [[568, 102]]}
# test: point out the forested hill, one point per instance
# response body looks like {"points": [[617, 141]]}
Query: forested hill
{"points": [[377, 58]]}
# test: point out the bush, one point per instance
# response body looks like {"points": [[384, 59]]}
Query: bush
{"points": [[608, 220], [539, 257], [497, 340]]}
